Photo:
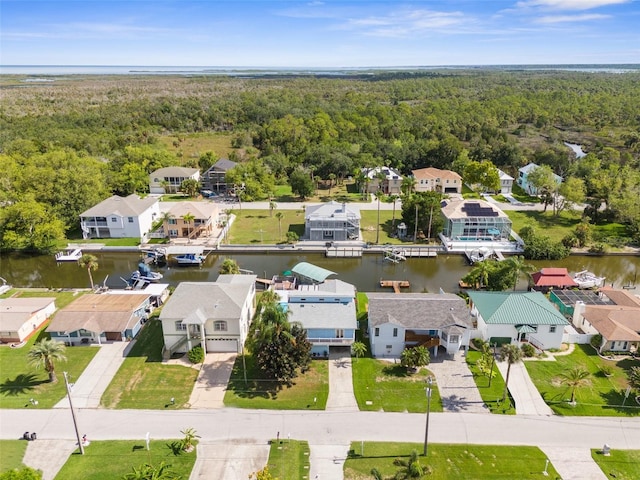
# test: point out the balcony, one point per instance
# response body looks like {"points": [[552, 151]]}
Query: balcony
{"points": [[330, 341], [422, 340]]}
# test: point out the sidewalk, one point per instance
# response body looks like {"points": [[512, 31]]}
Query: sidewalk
{"points": [[525, 394], [327, 461]]}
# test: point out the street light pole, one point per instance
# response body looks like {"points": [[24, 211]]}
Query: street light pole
{"points": [[493, 361], [73, 414], [426, 430]]}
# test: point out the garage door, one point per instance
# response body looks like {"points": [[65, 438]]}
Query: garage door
{"points": [[451, 190], [222, 345]]}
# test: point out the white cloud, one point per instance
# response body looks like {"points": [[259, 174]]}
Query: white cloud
{"points": [[571, 18], [407, 22], [569, 4]]}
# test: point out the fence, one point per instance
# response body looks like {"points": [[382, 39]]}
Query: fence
{"points": [[580, 338]]}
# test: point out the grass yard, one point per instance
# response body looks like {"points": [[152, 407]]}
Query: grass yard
{"points": [[254, 226], [144, 382], [450, 461], [63, 298], [621, 464], [110, 242], [11, 454], [20, 382], [107, 460], [192, 145], [344, 192], [288, 459], [490, 394], [389, 387], [260, 392], [602, 397], [545, 223], [369, 222]]}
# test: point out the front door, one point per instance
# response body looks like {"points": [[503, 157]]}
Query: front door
{"points": [[339, 333]]}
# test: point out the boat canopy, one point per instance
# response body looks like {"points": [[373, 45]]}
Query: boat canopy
{"points": [[312, 272]]}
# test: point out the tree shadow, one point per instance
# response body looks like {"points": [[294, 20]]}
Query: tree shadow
{"points": [[298, 228], [20, 385], [614, 400], [396, 370], [176, 448]]}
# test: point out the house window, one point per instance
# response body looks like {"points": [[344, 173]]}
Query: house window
{"points": [[220, 326], [173, 233], [130, 219], [376, 332], [114, 219], [339, 333], [395, 332], [552, 329], [180, 327], [453, 338], [172, 221]]}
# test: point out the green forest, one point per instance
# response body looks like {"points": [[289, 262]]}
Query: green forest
{"points": [[68, 142]]}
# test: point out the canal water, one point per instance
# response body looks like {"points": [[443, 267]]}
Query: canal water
{"points": [[424, 274]]}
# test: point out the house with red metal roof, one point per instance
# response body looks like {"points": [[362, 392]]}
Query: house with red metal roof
{"points": [[552, 278]]}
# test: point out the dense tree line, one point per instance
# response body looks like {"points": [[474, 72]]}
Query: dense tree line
{"points": [[95, 136]]}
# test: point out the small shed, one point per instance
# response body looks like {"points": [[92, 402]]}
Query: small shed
{"points": [[552, 278]]}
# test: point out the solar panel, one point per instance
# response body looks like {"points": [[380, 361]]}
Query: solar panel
{"points": [[571, 297]]}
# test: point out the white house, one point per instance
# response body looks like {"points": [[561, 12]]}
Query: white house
{"points": [[385, 179], [20, 318], [215, 315], [506, 182], [169, 179], [517, 317], [523, 180], [332, 221], [120, 217], [433, 320]]}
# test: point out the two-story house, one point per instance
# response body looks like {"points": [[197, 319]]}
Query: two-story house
{"points": [[215, 177], [169, 179], [383, 179], [435, 180], [332, 221], [179, 224], [523, 178]]}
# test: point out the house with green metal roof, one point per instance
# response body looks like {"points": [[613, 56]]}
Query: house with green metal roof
{"points": [[517, 317]]}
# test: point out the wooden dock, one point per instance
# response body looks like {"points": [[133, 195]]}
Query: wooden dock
{"points": [[395, 284]]}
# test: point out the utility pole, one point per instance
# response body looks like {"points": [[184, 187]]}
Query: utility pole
{"points": [[73, 413], [415, 228]]}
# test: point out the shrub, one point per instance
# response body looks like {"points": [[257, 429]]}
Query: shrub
{"points": [[196, 354], [606, 370], [598, 248], [528, 350], [596, 341]]}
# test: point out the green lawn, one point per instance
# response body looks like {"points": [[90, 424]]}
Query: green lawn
{"points": [[621, 464], [11, 454], [254, 226], [448, 462], [288, 459], [519, 194], [545, 223], [388, 386], [109, 460], [603, 396], [20, 382], [260, 392], [188, 146], [144, 382], [491, 395], [369, 222], [63, 298]]}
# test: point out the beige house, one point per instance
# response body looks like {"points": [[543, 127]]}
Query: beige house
{"points": [[169, 179], [383, 178], [20, 318], [435, 180], [205, 216]]}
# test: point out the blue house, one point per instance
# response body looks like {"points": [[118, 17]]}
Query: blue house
{"points": [[523, 180], [326, 311]]}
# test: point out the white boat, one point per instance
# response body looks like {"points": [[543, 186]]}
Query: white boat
{"points": [[5, 287], [479, 255], [144, 273], [586, 279], [190, 259], [69, 255]]}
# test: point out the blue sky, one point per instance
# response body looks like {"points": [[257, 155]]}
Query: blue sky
{"points": [[319, 33]]}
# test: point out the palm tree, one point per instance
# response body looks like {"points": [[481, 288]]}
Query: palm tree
{"points": [[332, 177], [45, 353], [575, 378], [358, 349], [393, 199], [188, 218], [90, 262], [483, 269], [190, 436], [634, 378], [166, 218], [269, 297], [408, 185], [279, 216], [379, 195], [511, 354], [272, 206], [517, 267], [229, 267], [410, 468], [149, 472]]}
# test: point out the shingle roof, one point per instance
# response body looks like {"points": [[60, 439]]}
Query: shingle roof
{"points": [[515, 308], [175, 172], [130, 206], [200, 210], [324, 315], [224, 164], [431, 172], [418, 310], [613, 322], [15, 311]]}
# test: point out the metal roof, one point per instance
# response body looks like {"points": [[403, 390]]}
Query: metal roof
{"points": [[313, 272], [516, 308]]}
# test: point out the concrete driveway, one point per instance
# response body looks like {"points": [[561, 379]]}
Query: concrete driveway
{"points": [[211, 384], [341, 397], [229, 460]]}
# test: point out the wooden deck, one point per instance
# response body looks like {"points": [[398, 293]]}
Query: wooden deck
{"points": [[395, 284]]}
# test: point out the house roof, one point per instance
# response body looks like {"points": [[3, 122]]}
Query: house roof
{"points": [[331, 209], [215, 300], [223, 164], [200, 210], [324, 315], [313, 272], [621, 297], [460, 208], [527, 169], [516, 308], [130, 206], [418, 310], [431, 172], [504, 176], [328, 288], [553, 277], [615, 323], [389, 173], [98, 313], [175, 172], [14, 312]]}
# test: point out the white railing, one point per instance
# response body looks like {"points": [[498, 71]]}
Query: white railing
{"points": [[535, 342], [329, 340]]}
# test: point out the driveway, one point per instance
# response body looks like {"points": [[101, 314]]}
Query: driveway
{"points": [[458, 390], [229, 460], [341, 397], [211, 384], [524, 393]]}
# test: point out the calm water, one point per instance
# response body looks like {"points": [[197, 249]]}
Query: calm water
{"points": [[425, 274]]}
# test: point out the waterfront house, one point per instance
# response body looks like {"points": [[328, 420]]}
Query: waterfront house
{"points": [[517, 317], [206, 216], [120, 217], [401, 320], [383, 179], [552, 278], [20, 318], [215, 315], [99, 318], [435, 180], [474, 220], [326, 311], [523, 178], [169, 179], [215, 177], [332, 221]]}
